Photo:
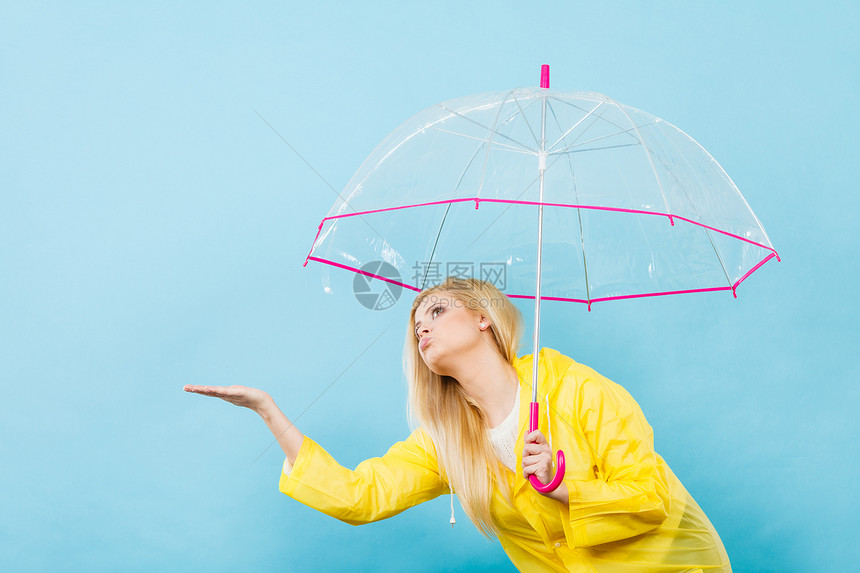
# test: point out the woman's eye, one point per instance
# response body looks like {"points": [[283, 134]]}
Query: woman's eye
{"points": [[436, 311]]}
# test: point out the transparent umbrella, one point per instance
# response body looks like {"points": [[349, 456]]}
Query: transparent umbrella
{"points": [[550, 195]]}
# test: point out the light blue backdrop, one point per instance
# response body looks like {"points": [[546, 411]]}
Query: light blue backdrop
{"points": [[153, 227]]}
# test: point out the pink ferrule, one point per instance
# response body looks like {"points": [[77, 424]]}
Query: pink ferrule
{"points": [[544, 76], [534, 414]]}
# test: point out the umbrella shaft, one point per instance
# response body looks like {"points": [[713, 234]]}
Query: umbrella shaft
{"points": [[541, 169], [535, 348]]}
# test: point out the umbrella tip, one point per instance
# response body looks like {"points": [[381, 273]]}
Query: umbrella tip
{"points": [[544, 76]]}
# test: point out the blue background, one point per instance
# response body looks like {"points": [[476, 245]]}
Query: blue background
{"points": [[153, 229]]}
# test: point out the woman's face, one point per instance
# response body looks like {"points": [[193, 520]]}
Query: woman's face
{"points": [[446, 331]]}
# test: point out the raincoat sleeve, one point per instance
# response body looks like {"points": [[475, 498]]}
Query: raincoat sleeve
{"points": [[378, 488], [626, 493]]}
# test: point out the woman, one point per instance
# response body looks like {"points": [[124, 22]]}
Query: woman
{"points": [[619, 509]]}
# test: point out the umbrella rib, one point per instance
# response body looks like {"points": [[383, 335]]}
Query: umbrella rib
{"points": [[604, 100], [445, 216], [693, 206], [565, 134], [485, 140], [719, 258], [634, 128], [601, 117], [435, 243], [526, 119], [594, 119], [521, 112], [493, 133], [512, 202], [578, 211], [570, 152], [466, 168], [735, 187], [490, 129], [650, 158]]}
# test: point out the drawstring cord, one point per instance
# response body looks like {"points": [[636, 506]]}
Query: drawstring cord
{"points": [[548, 427], [451, 489]]}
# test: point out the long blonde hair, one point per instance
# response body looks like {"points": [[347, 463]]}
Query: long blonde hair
{"points": [[454, 421]]}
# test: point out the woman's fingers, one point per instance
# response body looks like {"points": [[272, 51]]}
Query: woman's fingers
{"points": [[535, 437], [541, 466], [216, 390], [530, 449], [540, 459], [537, 457], [206, 390], [239, 395]]}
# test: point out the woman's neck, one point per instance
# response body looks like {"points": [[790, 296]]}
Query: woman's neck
{"points": [[492, 383]]}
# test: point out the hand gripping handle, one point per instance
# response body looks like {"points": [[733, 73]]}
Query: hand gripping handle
{"points": [[559, 473]]}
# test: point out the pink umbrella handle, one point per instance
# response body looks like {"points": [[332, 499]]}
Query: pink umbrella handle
{"points": [[559, 473]]}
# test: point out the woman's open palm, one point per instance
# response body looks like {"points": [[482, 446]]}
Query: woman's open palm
{"points": [[244, 396]]}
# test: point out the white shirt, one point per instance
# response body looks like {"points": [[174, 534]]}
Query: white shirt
{"points": [[504, 436]]}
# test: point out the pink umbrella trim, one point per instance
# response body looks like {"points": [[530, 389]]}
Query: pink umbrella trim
{"points": [[477, 200], [732, 288]]}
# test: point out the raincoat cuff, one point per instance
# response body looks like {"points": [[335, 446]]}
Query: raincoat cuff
{"points": [[290, 472], [574, 534]]}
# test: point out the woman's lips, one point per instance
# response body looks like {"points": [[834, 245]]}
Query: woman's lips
{"points": [[424, 342]]}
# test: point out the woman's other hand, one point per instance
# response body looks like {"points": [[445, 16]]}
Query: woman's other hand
{"points": [[244, 396]]}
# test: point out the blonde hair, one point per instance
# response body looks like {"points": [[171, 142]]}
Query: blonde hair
{"points": [[454, 421]]}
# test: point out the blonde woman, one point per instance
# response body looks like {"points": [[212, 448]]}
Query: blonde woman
{"points": [[619, 509]]}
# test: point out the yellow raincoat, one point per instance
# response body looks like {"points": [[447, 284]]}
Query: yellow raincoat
{"points": [[627, 510]]}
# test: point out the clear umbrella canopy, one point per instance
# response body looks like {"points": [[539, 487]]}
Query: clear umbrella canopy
{"points": [[632, 205]]}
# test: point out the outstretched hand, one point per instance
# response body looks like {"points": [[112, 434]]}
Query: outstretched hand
{"points": [[244, 396], [288, 436]]}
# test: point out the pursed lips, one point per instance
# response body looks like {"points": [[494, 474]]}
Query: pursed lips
{"points": [[422, 344]]}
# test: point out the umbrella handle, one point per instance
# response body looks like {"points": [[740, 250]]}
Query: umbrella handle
{"points": [[559, 473]]}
